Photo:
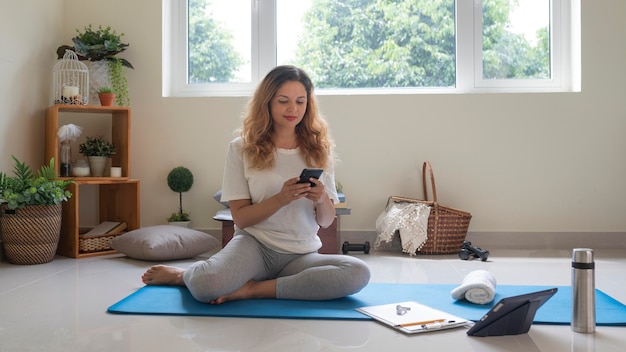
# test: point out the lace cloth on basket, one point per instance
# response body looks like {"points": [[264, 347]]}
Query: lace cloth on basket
{"points": [[410, 220]]}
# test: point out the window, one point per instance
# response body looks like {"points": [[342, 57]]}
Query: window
{"points": [[224, 47]]}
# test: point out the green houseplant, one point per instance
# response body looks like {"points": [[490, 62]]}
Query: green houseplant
{"points": [[103, 44], [118, 82], [106, 95], [106, 90], [30, 209], [97, 150], [179, 180]]}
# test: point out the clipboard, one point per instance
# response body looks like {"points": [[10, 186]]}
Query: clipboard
{"points": [[413, 318]]}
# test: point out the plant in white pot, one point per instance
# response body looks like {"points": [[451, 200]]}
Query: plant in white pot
{"points": [[180, 180], [97, 150], [30, 213]]}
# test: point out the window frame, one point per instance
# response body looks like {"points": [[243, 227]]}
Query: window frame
{"points": [[564, 51], [560, 62]]}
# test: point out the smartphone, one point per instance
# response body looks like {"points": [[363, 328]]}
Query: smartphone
{"points": [[308, 173]]}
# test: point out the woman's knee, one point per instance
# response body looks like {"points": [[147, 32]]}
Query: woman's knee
{"points": [[360, 275], [355, 274], [202, 282]]}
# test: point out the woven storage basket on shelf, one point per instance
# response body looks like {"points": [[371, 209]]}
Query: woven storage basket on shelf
{"points": [[30, 235], [96, 243], [447, 227]]}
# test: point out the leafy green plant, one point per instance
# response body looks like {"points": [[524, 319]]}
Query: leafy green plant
{"points": [[178, 217], [27, 187], [180, 180], [97, 146], [106, 90], [119, 82], [96, 45]]}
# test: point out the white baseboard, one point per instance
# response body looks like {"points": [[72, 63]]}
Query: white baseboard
{"points": [[511, 240], [549, 240], [524, 240]]}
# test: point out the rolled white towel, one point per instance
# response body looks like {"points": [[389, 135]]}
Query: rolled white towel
{"points": [[478, 287]]}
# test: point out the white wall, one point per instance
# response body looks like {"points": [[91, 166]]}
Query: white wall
{"points": [[518, 162], [28, 29]]}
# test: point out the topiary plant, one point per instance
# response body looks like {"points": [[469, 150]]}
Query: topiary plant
{"points": [[180, 180]]}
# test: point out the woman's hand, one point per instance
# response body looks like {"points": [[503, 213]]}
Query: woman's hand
{"points": [[318, 193], [247, 214], [292, 190]]}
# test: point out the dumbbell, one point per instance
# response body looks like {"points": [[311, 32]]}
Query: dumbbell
{"points": [[365, 247], [468, 252]]}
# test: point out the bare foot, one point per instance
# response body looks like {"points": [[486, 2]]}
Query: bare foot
{"points": [[243, 292], [251, 289], [163, 275]]}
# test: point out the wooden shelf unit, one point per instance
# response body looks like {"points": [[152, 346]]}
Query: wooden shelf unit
{"points": [[118, 197], [120, 132], [117, 201]]}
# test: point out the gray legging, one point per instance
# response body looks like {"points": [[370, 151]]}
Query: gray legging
{"points": [[310, 276]]}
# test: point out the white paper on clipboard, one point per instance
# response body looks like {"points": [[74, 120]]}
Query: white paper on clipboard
{"points": [[413, 317]]}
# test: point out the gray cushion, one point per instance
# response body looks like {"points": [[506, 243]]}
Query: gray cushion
{"points": [[164, 242], [218, 197]]}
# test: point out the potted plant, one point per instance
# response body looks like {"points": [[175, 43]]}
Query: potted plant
{"points": [[101, 46], [30, 213], [106, 95], [97, 150], [180, 180]]}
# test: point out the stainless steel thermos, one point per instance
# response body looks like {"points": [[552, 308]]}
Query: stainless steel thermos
{"points": [[583, 291]]}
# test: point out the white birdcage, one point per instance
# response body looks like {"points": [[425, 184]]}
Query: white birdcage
{"points": [[70, 80]]}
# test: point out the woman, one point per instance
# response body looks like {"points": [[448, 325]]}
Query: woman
{"points": [[274, 251]]}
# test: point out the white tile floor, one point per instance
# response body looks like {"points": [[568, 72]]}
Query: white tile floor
{"points": [[61, 306]]}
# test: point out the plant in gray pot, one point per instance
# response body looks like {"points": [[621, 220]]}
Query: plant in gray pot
{"points": [[30, 213], [97, 150], [180, 180]]}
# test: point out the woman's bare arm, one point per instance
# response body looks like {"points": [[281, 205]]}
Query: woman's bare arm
{"points": [[246, 214]]}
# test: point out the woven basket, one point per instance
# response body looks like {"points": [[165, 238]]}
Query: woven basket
{"points": [[96, 243], [31, 234], [447, 227]]}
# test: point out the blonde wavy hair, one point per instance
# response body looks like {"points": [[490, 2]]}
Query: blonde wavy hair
{"points": [[312, 132]]}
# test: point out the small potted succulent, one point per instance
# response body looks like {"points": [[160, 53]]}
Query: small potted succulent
{"points": [[106, 96], [30, 213], [97, 150], [180, 180]]}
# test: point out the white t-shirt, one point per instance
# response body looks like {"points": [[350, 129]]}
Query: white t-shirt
{"points": [[293, 228]]}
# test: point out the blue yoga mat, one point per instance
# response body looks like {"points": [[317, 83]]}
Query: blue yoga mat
{"points": [[175, 300]]}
